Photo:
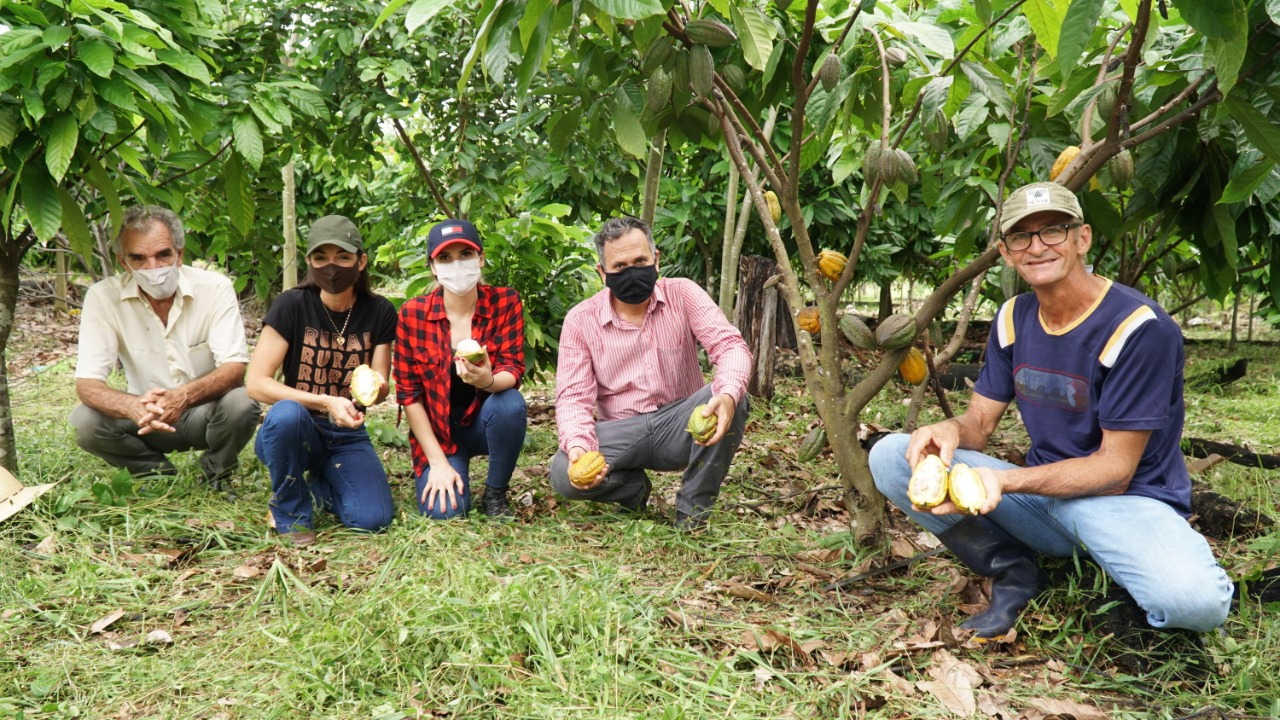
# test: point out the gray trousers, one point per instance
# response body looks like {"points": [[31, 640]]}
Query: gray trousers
{"points": [[658, 441], [220, 427]]}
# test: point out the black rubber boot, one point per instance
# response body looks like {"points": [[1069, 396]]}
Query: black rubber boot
{"points": [[494, 503], [991, 552]]}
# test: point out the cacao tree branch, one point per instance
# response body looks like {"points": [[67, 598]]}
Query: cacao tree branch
{"points": [[197, 168], [774, 169], [445, 207], [835, 47], [1086, 120], [801, 101]]}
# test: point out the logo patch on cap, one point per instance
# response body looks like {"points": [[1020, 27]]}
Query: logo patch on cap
{"points": [[1038, 196], [450, 229]]}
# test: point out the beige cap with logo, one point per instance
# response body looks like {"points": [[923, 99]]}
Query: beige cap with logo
{"points": [[1037, 198], [14, 495]]}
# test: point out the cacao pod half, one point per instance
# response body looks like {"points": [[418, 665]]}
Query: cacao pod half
{"points": [[913, 367], [928, 484], [702, 428], [966, 489], [582, 474], [831, 264], [809, 320], [775, 207], [471, 351], [896, 332], [1068, 154], [812, 444], [365, 383], [857, 332], [831, 72], [709, 32]]}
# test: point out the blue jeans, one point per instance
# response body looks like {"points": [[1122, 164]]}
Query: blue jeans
{"points": [[497, 431], [1144, 545], [314, 462]]}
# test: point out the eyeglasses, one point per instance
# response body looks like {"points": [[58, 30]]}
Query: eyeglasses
{"points": [[1049, 236]]}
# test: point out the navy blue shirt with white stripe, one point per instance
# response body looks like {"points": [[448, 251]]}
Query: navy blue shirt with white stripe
{"points": [[1117, 367]]}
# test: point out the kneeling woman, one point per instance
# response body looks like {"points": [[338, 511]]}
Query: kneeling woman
{"points": [[458, 407], [313, 440]]}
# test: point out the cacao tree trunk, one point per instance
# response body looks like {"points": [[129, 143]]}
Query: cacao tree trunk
{"points": [[11, 251]]}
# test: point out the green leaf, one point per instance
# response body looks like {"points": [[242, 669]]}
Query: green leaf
{"points": [[990, 86], [1046, 23], [239, 191], [64, 133], [534, 12], [1261, 131], [56, 36], [630, 9], [1077, 28], [97, 177], [629, 132], [1213, 18], [1225, 56], [563, 128], [1243, 186], [75, 226], [248, 139], [1226, 226], [185, 63], [8, 127], [40, 199], [755, 33], [422, 12], [933, 38], [1273, 9], [34, 105], [1071, 89], [489, 13], [98, 57], [387, 12]]}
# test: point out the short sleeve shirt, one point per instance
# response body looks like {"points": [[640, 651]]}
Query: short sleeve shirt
{"points": [[316, 362], [1118, 367], [204, 330]]}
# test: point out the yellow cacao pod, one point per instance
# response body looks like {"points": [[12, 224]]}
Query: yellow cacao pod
{"points": [[928, 485], [365, 383], [775, 207], [913, 367], [1064, 159], [831, 264], [809, 320], [702, 428], [966, 489], [583, 472]]}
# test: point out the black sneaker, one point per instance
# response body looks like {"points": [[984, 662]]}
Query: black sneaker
{"points": [[494, 503]]}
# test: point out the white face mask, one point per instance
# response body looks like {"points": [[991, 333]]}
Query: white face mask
{"points": [[459, 276], [160, 283]]}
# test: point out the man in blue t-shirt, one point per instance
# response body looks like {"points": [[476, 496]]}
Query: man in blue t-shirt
{"points": [[1096, 369]]}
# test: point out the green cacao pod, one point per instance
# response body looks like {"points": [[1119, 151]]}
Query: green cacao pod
{"points": [[913, 367], [904, 168], [583, 473], [734, 77], [659, 90], [658, 54], [896, 56], [831, 73], [966, 489], [680, 79], [871, 166], [1121, 166], [812, 444], [702, 428], [702, 71], [928, 484], [937, 131], [1105, 101], [1011, 283], [709, 32], [896, 332], [857, 332]]}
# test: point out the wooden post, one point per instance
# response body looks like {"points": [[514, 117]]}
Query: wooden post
{"points": [[761, 315], [289, 217]]}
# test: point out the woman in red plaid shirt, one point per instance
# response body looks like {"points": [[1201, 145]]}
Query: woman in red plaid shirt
{"points": [[459, 408]]}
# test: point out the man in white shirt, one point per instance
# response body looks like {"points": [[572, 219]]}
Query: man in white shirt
{"points": [[178, 333]]}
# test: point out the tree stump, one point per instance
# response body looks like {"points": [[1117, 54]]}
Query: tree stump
{"points": [[763, 318]]}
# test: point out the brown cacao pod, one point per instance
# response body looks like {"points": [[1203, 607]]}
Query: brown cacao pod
{"points": [[913, 367], [812, 444], [775, 207], [896, 332], [831, 72], [928, 484], [857, 332], [702, 428], [583, 472], [702, 71], [1121, 167], [966, 489], [365, 383], [709, 32], [831, 264], [809, 320], [1068, 154]]}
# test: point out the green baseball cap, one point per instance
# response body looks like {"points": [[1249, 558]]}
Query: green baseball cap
{"points": [[1037, 198], [335, 230]]}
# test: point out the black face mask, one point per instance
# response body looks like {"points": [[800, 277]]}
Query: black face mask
{"points": [[632, 285], [335, 279]]}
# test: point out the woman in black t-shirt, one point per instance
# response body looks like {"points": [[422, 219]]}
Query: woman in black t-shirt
{"points": [[313, 440]]}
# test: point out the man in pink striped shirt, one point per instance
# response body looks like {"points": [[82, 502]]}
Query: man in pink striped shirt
{"points": [[628, 379]]}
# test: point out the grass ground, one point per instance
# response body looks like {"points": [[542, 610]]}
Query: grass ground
{"points": [[170, 601]]}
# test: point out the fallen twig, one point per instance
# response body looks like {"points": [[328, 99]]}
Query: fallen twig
{"points": [[842, 584]]}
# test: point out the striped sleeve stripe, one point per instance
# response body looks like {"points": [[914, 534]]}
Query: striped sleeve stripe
{"points": [[1130, 325], [1004, 323]]}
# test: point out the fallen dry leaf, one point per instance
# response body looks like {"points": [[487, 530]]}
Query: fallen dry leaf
{"points": [[1056, 706], [226, 525], [317, 565], [953, 683], [158, 637], [105, 621], [47, 546], [185, 575], [763, 676], [246, 571], [747, 593]]}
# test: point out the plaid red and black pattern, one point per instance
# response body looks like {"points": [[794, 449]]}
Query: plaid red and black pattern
{"points": [[424, 352]]}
